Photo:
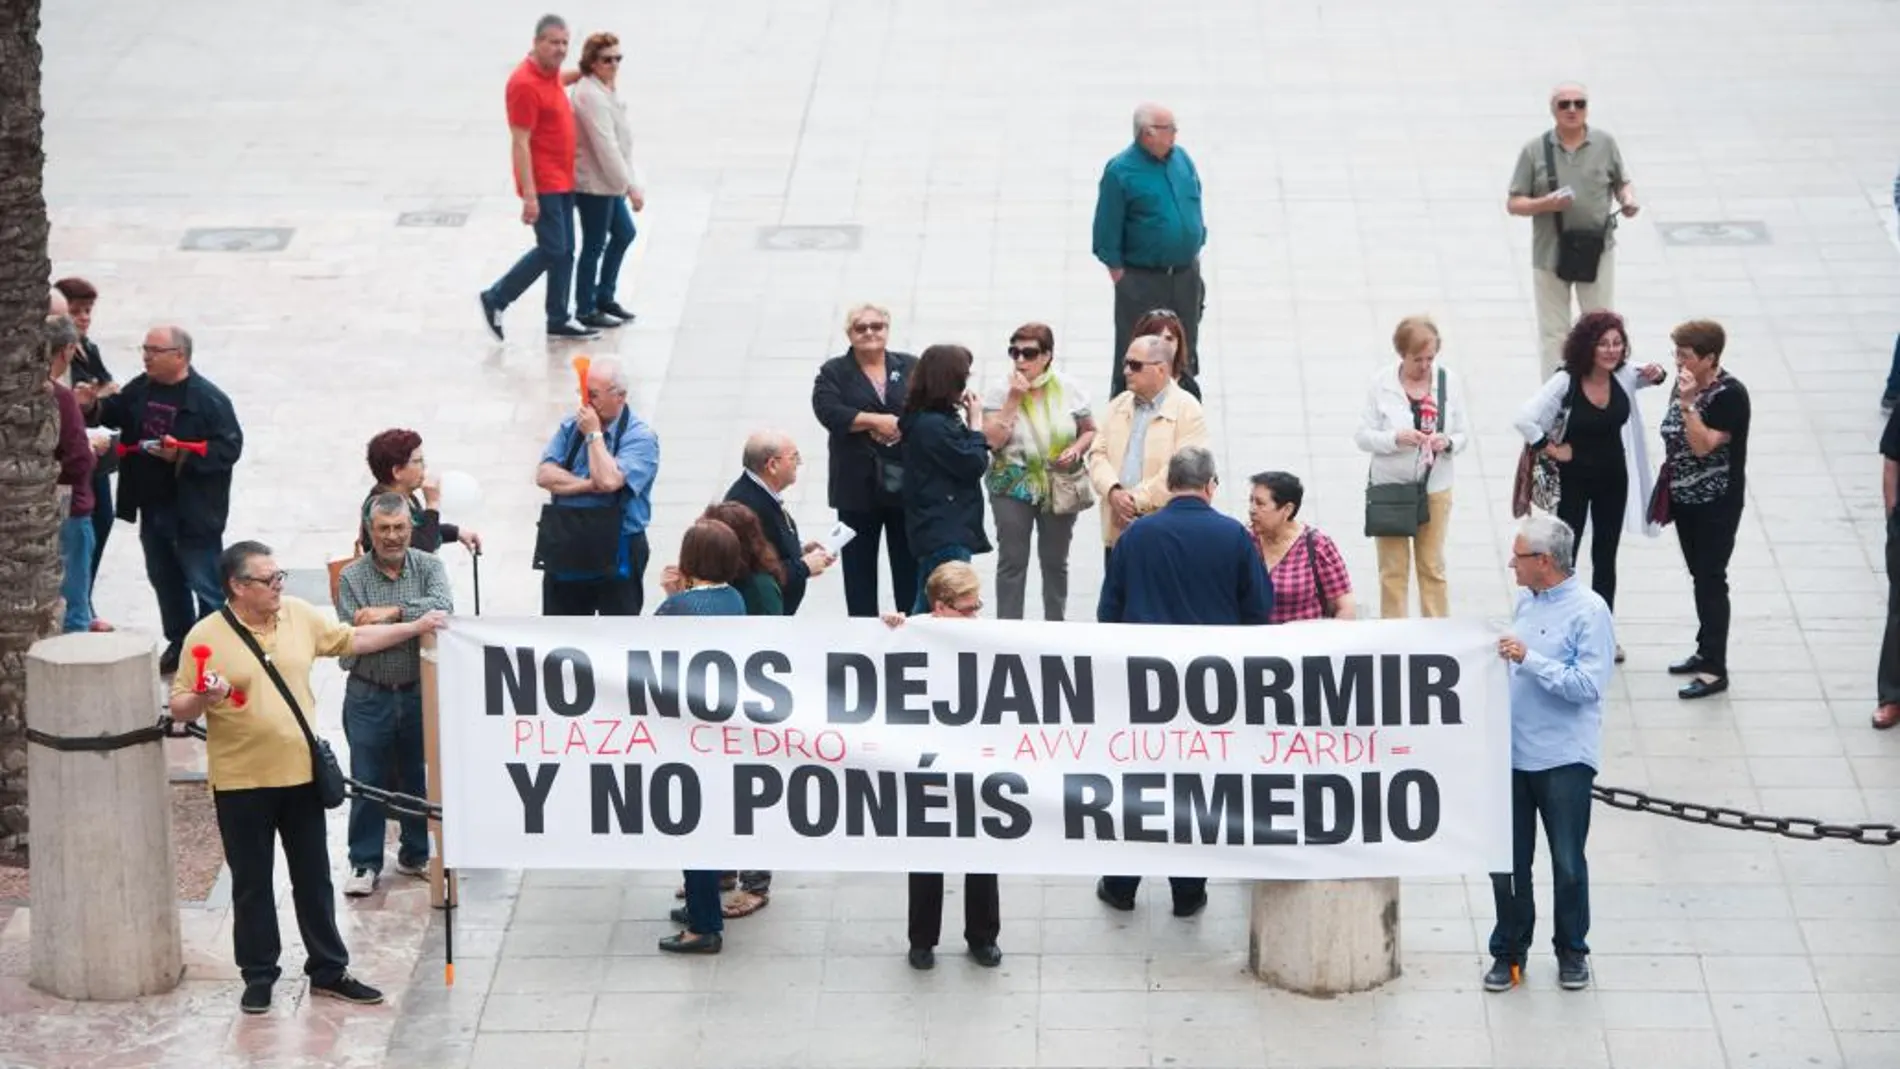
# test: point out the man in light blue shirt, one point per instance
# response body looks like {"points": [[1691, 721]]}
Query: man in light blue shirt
{"points": [[602, 457], [1561, 650]]}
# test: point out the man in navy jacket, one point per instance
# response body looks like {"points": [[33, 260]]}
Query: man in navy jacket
{"points": [[1185, 564], [771, 464]]}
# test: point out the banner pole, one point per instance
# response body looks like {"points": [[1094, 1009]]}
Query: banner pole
{"points": [[432, 758]]}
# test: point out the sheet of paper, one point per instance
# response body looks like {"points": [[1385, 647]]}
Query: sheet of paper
{"points": [[835, 539]]}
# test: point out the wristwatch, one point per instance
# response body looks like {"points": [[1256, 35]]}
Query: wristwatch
{"points": [[592, 436]]}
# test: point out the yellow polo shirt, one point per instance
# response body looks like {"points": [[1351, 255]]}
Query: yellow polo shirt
{"points": [[260, 744]]}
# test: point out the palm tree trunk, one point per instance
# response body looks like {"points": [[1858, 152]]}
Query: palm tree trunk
{"points": [[29, 515]]}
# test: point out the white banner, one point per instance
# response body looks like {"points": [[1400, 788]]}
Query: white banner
{"points": [[1307, 751]]}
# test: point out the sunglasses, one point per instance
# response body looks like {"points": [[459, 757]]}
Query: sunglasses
{"points": [[609, 59], [1572, 105], [868, 328], [1025, 352], [1135, 366]]}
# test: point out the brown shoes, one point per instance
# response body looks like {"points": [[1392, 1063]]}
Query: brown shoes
{"points": [[1887, 716]]}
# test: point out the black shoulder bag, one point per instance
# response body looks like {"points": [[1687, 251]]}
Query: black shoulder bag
{"points": [[324, 771], [1578, 251], [1312, 565], [581, 539]]}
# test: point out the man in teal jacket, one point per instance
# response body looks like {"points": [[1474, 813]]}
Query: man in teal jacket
{"points": [[1149, 233]]}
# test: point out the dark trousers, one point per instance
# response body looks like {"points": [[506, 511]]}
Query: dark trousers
{"points": [[982, 912], [860, 560], [385, 732], [1707, 536], [1561, 796], [927, 564], [702, 901], [1186, 889], [600, 597], [552, 255], [607, 233], [183, 571], [1601, 494], [249, 822], [1888, 685], [1141, 291], [101, 518]]}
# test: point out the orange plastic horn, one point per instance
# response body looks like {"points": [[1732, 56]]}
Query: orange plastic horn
{"points": [[581, 364]]}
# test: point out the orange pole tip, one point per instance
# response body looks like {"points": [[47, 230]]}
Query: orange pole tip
{"points": [[448, 975]]}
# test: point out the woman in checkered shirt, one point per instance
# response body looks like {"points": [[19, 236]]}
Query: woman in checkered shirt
{"points": [[1309, 575]]}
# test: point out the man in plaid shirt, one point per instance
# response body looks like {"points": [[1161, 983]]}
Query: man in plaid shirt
{"points": [[382, 703]]}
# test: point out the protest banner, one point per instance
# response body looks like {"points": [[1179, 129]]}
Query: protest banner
{"points": [[1310, 751]]}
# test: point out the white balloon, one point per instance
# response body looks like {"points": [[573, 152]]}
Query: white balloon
{"points": [[461, 495]]}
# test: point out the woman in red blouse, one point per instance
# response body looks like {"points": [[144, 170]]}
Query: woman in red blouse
{"points": [[1309, 575]]}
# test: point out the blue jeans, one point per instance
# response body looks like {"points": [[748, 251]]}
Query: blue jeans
{"points": [[606, 223], [927, 564], [75, 554], [553, 254], [385, 732], [1562, 797], [702, 901], [183, 570]]}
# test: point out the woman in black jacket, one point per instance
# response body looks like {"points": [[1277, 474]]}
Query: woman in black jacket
{"points": [[858, 396], [945, 456]]}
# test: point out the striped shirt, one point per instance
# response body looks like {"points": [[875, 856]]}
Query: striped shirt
{"points": [[421, 586]]}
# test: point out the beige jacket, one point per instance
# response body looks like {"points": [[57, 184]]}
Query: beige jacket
{"points": [[1179, 423], [603, 142]]}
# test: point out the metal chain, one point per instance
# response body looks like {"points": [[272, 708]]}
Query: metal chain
{"points": [[1807, 829], [407, 805]]}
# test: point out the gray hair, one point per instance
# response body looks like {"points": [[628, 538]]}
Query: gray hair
{"points": [[1154, 347], [1145, 116], [389, 505], [546, 23], [1547, 535], [179, 338], [1561, 86], [761, 448], [59, 333], [616, 374], [1191, 468]]}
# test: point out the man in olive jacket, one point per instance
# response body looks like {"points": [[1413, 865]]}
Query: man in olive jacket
{"points": [[181, 440]]}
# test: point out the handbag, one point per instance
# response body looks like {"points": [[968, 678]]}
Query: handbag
{"points": [[1070, 492], [1658, 512], [1398, 510], [1538, 484], [581, 539], [325, 773], [1579, 252], [1319, 589]]}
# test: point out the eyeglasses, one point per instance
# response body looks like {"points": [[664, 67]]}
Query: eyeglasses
{"points": [[1025, 352], [1526, 556], [274, 580], [1572, 105], [963, 610], [609, 59], [154, 350], [869, 328], [1134, 366], [1160, 128]]}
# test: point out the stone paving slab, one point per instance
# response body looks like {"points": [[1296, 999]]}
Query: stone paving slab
{"points": [[1355, 158]]}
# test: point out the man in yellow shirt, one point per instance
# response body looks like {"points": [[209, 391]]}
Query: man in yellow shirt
{"points": [[261, 766]]}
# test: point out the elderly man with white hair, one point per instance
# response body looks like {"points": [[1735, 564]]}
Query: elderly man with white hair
{"points": [[1571, 182], [771, 461], [1149, 233], [1140, 429], [599, 468], [1561, 650]]}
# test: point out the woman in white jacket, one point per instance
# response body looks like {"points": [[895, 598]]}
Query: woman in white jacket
{"points": [[1586, 418], [1414, 423], [606, 185]]}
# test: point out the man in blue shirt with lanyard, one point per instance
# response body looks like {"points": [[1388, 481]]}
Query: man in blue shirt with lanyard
{"points": [[600, 456], [1149, 233], [1560, 650]]}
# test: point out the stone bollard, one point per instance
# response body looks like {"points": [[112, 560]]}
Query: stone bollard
{"points": [[1325, 937], [105, 897]]}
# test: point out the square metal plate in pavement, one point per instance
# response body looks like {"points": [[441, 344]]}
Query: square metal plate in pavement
{"points": [[432, 218], [1725, 232], [844, 238], [238, 239]]}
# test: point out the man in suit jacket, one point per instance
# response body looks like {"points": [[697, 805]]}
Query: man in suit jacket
{"points": [[1185, 564], [771, 464]]}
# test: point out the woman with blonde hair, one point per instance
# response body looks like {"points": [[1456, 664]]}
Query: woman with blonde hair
{"points": [[1413, 424]]}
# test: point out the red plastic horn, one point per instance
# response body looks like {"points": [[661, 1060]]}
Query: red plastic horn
{"points": [[197, 448], [199, 655]]}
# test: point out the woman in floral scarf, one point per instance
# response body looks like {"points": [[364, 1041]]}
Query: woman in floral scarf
{"points": [[1039, 428]]}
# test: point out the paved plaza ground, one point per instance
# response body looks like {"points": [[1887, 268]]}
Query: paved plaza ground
{"points": [[1355, 156]]}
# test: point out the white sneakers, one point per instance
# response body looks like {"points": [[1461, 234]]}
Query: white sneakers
{"points": [[361, 884]]}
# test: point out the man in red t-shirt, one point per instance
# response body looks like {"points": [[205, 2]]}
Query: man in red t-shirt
{"points": [[541, 125]]}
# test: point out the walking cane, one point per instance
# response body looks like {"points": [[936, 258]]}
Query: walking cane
{"points": [[448, 927], [475, 558]]}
